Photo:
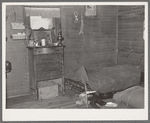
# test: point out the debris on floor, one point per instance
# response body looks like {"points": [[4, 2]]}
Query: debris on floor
{"points": [[111, 104]]}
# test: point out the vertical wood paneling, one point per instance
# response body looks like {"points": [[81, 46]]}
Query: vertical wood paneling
{"points": [[117, 38], [98, 45], [18, 79], [130, 35]]}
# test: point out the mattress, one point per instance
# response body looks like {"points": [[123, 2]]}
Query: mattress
{"points": [[107, 79]]}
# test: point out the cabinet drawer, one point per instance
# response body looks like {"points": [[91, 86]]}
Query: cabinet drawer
{"points": [[48, 58], [45, 75], [47, 50], [45, 83], [50, 66]]}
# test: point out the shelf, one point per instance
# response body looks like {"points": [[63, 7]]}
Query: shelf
{"points": [[42, 29], [46, 47]]}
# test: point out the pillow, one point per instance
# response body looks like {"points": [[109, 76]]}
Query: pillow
{"points": [[133, 96]]}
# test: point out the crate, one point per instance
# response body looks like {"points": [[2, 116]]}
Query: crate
{"points": [[47, 90]]}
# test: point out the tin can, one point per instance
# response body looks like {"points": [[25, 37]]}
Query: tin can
{"points": [[43, 43]]}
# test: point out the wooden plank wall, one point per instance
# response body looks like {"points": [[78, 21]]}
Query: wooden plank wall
{"points": [[98, 46], [130, 35], [18, 79]]}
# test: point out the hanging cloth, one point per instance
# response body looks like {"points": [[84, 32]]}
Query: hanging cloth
{"points": [[82, 26]]}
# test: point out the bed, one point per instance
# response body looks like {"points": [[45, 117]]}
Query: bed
{"points": [[107, 79]]}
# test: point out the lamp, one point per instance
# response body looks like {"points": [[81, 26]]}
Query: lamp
{"points": [[59, 37]]}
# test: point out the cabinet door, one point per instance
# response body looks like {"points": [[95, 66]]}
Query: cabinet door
{"points": [[49, 66]]}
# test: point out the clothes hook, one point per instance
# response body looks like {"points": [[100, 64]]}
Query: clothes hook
{"points": [[76, 17]]}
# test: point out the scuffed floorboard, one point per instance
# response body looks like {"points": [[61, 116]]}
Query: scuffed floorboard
{"points": [[60, 102]]}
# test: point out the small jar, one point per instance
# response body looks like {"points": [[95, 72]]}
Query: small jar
{"points": [[43, 43]]}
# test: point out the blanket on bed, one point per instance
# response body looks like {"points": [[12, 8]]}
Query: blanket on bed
{"points": [[107, 79]]}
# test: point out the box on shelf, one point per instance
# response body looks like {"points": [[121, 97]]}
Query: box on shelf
{"points": [[18, 36], [15, 25]]}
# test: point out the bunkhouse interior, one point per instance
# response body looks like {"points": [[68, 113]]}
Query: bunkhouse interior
{"points": [[75, 56]]}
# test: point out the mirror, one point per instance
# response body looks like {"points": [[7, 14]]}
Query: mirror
{"points": [[45, 24]]}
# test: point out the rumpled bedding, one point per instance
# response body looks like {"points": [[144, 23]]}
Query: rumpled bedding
{"points": [[107, 79], [133, 96]]}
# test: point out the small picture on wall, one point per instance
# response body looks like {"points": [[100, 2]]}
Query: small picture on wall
{"points": [[90, 10]]}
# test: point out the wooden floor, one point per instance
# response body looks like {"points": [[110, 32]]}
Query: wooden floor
{"points": [[60, 102], [68, 101]]}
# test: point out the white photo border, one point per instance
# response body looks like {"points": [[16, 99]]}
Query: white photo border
{"points": [[72, 114]]}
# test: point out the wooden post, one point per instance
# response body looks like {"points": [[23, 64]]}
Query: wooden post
{"points": [[86, 96], [117, 37]]}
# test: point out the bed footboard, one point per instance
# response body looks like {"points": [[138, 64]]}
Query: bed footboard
{"points": [[76, 86]]}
